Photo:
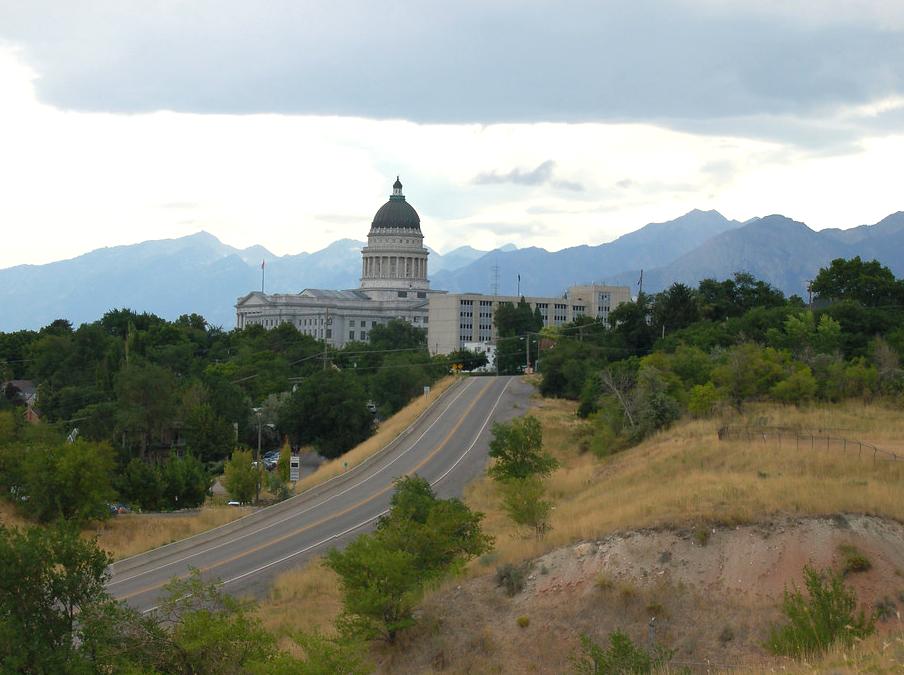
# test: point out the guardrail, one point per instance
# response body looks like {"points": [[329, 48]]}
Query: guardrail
{"points": [[787, 437]]}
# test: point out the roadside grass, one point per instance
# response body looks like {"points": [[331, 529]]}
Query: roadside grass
{"points": [[879, 653], [385, 433], [685, 476], [305, 599], [132, 533]]}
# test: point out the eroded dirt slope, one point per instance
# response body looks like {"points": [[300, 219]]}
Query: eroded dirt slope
{"points": [[711, 595]]}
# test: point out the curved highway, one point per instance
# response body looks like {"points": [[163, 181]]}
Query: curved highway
{"points": [[447, 445]]}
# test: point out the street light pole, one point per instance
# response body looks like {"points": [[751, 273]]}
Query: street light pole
{"points": [[257, 496]]}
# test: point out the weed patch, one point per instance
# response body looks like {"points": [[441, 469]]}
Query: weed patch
{"points": [[816, 622]]}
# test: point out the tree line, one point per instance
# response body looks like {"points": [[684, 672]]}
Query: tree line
{"points": [[156, 407], [726, 343]]}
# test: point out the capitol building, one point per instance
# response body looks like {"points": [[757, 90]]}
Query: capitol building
{"points": [[394, 285]]}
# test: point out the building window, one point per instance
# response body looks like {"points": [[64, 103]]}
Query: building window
{"points": [[373, 324], [403, 294], [351, 335], [426, 318], [363, 335], [329, 332], [421, 294], [351, 323]]}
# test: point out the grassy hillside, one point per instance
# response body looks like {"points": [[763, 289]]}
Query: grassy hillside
{"points": [[686, 476], [679, 482]]}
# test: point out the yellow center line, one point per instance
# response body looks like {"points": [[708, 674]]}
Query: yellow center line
{"points": [[325, 519]]}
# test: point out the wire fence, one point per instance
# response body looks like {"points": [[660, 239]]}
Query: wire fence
{"points": [[789, 438]]}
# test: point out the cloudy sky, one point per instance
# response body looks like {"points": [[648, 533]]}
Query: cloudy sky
{"points": [[548, 123]]}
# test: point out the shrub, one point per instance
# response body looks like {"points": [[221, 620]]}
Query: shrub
{"points": [[885, 609], [522, 500], [523, 621], [853, 560], [825, 617], [727, 635], [621, 656], [701, 536], [511, 578], [604, 582]]}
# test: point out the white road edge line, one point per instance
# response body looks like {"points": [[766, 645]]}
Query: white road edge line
{"points": [[114, 582], [369, 520]]}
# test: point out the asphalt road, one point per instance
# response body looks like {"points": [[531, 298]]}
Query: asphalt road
{"points": [[448, 446]]}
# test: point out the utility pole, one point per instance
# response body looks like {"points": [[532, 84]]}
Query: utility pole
{"points": [[640, 284], [257, 466], [810, 294], [325, 329], [526, 353]]}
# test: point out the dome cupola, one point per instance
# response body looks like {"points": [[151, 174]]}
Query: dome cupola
{"points": [[397, 213], [394, 264]]}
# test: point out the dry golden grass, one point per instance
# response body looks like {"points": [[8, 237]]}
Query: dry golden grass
{"points": [[685, 475], [132, 533], [9, 517], [304, 599], [880, 653], [386, 432]]}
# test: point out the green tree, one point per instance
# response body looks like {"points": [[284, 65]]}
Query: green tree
{"points": [[148, 402], [674, 308], [869, 283], [212, 632], [441, 533], [630, 323], [517, 447], [747, 371], [240, 478], [140, 484], [208, 436], [703, 399], [523, 501], [516, 328], [397, 334], [402, 378], [420, 539], [380, 587], [467, 359], [47, 577], [185, 482], [799, 386], [329, 411], [283, 466], [73, 481]]}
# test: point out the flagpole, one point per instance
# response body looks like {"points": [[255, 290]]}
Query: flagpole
{"points": [[263, 263]]}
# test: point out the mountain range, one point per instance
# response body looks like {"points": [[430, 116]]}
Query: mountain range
{"points": [[200, 274]]}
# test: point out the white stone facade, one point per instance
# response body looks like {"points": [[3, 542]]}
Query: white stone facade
{"points": [[394, 285]]}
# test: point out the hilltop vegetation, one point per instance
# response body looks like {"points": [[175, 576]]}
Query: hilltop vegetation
{"points": [[157, 407]]}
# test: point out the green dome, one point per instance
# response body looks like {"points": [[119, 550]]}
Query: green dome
{"points": [[397, 213]]}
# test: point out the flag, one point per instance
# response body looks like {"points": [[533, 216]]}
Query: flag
{"points": [[263, 262]]}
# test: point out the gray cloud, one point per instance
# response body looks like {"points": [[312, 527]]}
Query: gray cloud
{"points": [[679, 64], [542, 175]]}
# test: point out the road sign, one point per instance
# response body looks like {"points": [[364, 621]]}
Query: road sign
{"points": [[294, 468]]}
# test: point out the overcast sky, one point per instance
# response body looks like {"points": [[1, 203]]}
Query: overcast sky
{"points": [[556, 123]]}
